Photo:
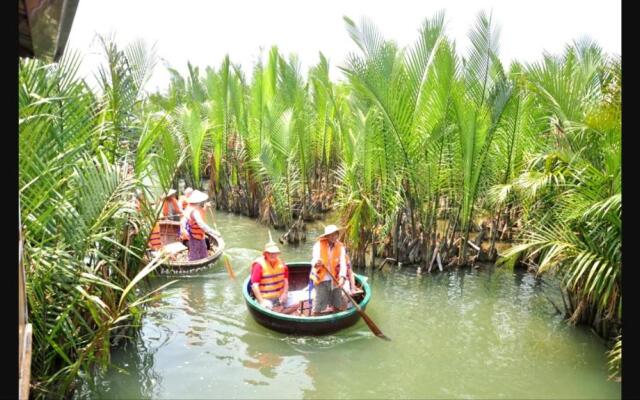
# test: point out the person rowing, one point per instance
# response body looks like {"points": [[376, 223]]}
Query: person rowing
{"points": [[328, 258], [196, 227]]}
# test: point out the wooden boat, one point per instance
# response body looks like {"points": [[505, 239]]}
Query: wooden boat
{"points": [[170, 237], [300, 322]]}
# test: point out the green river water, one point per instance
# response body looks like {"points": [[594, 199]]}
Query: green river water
{"points": [[486, 333]]}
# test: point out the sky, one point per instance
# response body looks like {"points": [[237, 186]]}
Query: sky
{"points": [[203, 32]]}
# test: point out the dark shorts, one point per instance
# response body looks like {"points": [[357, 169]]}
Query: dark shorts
{"points": [[325, 295]]}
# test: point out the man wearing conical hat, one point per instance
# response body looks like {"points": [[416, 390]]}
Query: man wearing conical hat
{"points": [[196, 227], [328, 257], [270, 277]]}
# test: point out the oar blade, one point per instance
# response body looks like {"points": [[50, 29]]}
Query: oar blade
{"points": [[374, 328], [227, 264]]}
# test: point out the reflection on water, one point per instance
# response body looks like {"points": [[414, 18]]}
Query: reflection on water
{"points": [[486, 333]]}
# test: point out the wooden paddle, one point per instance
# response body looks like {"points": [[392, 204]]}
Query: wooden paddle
{"points": [[227, 264], [374, 328]]}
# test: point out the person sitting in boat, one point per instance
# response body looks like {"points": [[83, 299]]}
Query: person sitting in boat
{"points": [[184, 224], [170, 207], [328, 257], [270, 278], [196, 227], [182, 201]]}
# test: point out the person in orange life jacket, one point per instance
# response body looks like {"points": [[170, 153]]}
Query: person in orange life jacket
{"points": [[170, 207], [184, 221], [197, 227], [184, 230], [328, 254], [270, 278]]}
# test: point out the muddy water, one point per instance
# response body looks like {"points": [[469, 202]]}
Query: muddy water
{"points": [[487, 333]]}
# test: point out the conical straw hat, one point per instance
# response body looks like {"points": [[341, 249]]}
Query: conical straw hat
{"points": [[197, 197], [328, 230], [271, 247]]}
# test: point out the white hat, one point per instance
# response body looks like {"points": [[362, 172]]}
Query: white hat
{"points": [[197, 197], [170, 193], [271, 247], [329, 229]]}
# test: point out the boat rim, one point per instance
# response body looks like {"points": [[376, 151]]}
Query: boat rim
{"points": [[196, 263], [319, 318]]}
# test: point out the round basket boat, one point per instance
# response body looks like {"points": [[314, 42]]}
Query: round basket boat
{"points": [[170, 236], [300, 322]]}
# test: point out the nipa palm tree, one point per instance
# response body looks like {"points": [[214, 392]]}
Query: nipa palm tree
{"points": [[77, 178]]}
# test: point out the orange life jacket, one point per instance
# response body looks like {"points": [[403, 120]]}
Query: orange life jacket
{"points": [[174, 203], [330, 259], [195, 229], [154, 240], [184, 221], [272, 282]]}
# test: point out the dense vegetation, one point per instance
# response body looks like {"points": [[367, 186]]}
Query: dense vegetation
{"points": [[82, 156], [420, 152]]}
